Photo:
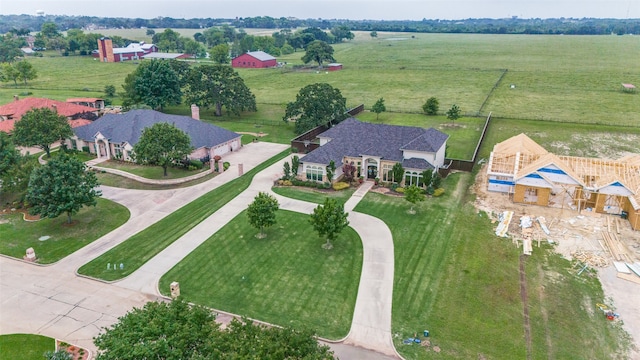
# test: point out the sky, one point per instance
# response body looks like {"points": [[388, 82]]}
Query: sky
{"points": [[330, 9]]}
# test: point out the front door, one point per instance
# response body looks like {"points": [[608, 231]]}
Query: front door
{"points": [[372, 172]]}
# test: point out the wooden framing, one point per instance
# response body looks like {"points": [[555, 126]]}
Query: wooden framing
{"points": [[600, 184]]}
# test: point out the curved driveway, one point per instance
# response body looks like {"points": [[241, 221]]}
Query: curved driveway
{"points": [[371, 325]]}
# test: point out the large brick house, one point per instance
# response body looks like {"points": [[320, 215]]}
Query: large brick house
{"points": [[114, 135], [373, 149]]}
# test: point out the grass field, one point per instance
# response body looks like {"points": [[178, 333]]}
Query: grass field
{"points": [[286, 278], [314, 196], [144, 245], [557, 78], [126, 183], [455, 278], [25, 346], [89, 224]]}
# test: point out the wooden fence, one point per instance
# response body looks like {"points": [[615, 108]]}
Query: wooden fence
{"points": [[467, 165]]}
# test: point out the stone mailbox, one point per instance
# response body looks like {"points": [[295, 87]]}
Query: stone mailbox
{"points": [[220, 166], [31, 255], [175, 289], [240, 170]]}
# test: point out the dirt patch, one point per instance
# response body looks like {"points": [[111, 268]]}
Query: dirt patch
{"points": [[258, 134], [525, 305]]}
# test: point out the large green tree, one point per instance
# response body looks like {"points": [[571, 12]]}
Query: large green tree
{"points": [[316, 104], [15, 168], [41, 127], [262, 212], [217, 86], [61, 186], [328, 220], [26, 71], [10, 47], [318, 51], [341, 32], [177, 330], [8, 72], [162, 144], [220, 53], [155, 83]]}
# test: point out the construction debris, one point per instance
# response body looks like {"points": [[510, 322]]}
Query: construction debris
{"points": [[503, 226], [590, 259]]}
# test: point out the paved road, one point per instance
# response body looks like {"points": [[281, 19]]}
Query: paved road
{"points": [[74, 309]]}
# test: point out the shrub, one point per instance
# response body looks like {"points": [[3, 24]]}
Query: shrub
{"points": [[340, 186], [217, 158], [325, 185], [225, 165], [192, 168], [285, 182], [400, 190], [196, 164], [438, 192]]}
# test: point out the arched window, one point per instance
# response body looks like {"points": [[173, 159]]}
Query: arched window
{"points": [[412, 178], [314, 173]]}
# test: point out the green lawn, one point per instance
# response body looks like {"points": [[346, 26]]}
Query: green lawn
{"points": [[285, 279], [80, 155], [150, 172], [25, 346], [455, 278], [89, 224], [312, 195], [126, 183], [144, 245]]}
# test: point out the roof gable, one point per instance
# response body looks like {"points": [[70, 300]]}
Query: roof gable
{"points": [[544, 161], [127, 127]]}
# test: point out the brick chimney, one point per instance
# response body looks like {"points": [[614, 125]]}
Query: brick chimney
{"points": [[195, 111], [15, 98]]}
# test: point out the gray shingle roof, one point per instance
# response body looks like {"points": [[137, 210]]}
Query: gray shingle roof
{"points": [[261, 55], [416, 163], [127, 127], [354, 138]]}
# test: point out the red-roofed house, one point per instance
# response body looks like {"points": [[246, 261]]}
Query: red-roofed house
{"points": [[95, 103], [254, 59], [13, 111]]}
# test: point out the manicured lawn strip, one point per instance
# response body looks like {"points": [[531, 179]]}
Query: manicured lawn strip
{"points": [[80, 155], [141, 247], [89, 224], [126, 183], [25, 346], [311, 195], [455, 278], [150, 172], [285, 279]]}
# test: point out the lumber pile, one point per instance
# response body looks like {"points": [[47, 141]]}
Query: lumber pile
{"points": [[611, 244], [590, 259]]}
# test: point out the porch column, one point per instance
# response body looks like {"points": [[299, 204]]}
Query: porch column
{"points": [[97, 148]]}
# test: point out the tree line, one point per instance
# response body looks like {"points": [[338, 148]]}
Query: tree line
{"points": [[514, 25]]}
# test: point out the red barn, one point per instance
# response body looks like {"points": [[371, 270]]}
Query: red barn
{"points": [[254, 59]]}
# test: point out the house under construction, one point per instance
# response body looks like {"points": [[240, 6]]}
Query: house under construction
{"points": [[531, 175]]}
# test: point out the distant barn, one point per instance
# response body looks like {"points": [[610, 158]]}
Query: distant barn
{"points": [[254, 59]]}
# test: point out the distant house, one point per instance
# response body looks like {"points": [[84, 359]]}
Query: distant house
{"points": [[95, 103], [114, 135], [254, 59], [134, 51], [373, 149], [77, 115]]}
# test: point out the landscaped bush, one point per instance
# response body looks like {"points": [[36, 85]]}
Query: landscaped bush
{"points": [[340, 186], [285, 183], [225, 165], [192, 168], [400, 190], [196, 164], [85, 149], [438, 192]]}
